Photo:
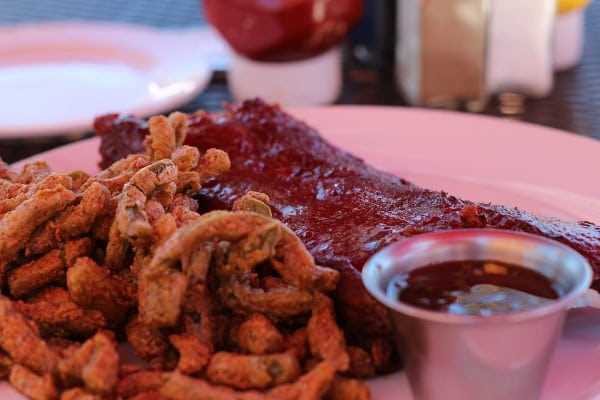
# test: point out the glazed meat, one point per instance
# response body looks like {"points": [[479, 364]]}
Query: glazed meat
{"points": [[343, 209]]}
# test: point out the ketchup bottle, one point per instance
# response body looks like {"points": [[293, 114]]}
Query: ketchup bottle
{"points": [[285, 50]]}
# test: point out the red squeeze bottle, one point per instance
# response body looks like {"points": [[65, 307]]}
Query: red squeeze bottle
{"points": [[283, 30]]}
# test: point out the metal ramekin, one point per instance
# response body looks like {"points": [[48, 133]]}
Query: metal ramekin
{"points": [[499, 357]]}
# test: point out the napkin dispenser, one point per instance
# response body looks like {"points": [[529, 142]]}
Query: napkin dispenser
{"points": [[452, 53]]}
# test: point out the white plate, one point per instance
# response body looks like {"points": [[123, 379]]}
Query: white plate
{"points": [[480, 158], [55, 77]]}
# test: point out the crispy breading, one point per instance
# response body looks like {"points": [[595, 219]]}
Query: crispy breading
{"points": [[140, 382], [297, 267], [95, 363], [257, 247], [94, 287], [311, 386], [36, 274], [33, 386], [194, 354], [179, 123], [33, 172], [25, 192], [278, 303], [164, 227], [79, 394], [325, 338], [253, 201], [195, 264], [73, 249], [20, 339], [79, 178], [151, 395], [188, 181], [252, 371], [185, 201], [186, 158], [73, 221], [182, 387], [213, 163], [147, 342], [17, 226], [184, 215], [56, 314], [349, 389], [161, 141], [199, 316], [258, 335]]}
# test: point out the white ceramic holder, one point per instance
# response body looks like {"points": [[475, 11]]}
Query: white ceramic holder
{"points": [[315, 81]]}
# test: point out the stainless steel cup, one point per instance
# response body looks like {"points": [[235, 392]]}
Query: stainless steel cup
{"points": [[460, 357]]}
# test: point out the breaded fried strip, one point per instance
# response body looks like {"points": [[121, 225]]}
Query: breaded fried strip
{"points": [[72, 222], [349, 389], [297, 267], [147, 342], [252, 371], [283, 302], [258, 247], [33, 172], [325, 338], [181, 387], [179, 123], [131, 221], [94, 202], [140, 382], [21, 341], [95, 363], [74, 249], [186, 158], [158, 304], [94, 287], [253, 201], [258, 335], [36, 274], [213, 163], [161, 141], [194, 354], [311, 386], [30, 384], [27, 191], [17, 226], [78, 394], [55, 313]]}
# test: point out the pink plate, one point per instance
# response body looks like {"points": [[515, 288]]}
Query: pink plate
{"points": [[480, 158]]}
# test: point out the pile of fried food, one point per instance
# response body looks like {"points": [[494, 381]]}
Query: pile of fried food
{"points": [[114, 286]]}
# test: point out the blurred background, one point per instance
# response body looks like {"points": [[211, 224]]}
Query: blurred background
{"points": [[383, 57]]}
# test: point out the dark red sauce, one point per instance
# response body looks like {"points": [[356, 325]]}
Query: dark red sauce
{"points": [[474, 288], [282, 30]]}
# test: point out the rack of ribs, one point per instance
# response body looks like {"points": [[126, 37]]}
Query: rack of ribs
{"points": [[343, 209]]}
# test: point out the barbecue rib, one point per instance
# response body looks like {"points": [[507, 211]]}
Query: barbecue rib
{"points": [[343, 209]]}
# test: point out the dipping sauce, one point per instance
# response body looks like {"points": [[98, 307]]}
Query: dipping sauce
{"points": [[473, 288]]}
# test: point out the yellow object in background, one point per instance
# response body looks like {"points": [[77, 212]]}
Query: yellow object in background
{"points": [[566, 6]]}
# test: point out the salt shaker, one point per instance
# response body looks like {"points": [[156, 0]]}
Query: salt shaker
{"points": [[569, 33], [459, 52]]}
